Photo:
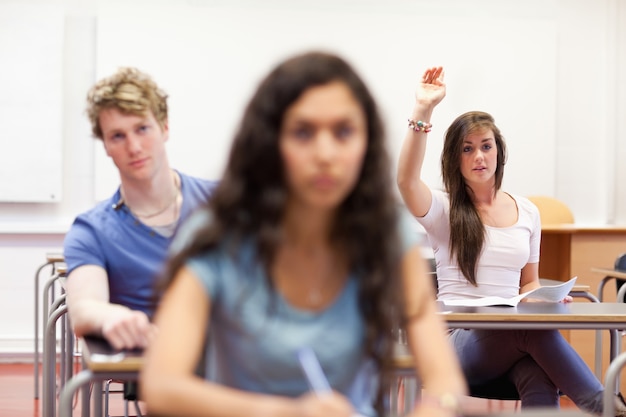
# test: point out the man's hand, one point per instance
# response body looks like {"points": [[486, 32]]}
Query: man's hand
{"points": [[128, 329]]}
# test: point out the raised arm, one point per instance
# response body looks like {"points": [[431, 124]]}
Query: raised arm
{"points": [[415, 193], [87, 289], [435, 360]]}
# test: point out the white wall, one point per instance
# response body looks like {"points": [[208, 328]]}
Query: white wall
{"points": [[564, 142], [210, 80], [33, 93]]}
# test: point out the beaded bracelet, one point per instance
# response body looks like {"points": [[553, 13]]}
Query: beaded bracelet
{"points": [[419, 126]]}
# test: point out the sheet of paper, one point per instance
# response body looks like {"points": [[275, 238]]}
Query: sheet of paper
{"points": [[553, 293]]}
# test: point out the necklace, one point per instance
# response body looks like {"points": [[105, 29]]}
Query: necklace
{"points": [[162, 210], [314, 297], [156, 213]]}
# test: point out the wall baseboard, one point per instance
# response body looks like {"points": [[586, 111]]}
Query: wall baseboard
{"points": [[20, 349], [17, 357], [16, 343]]}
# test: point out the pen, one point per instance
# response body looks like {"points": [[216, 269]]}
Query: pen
{"points": [[314, 373]]}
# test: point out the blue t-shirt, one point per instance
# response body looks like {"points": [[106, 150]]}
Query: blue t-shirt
{"points": [[132, 253], [255, 334]]}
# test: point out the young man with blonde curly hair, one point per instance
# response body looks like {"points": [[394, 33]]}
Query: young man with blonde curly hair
{"points": [[115, 251]]}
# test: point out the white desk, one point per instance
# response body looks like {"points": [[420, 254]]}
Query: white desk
{"points": [[527, 315], [101, 362], [534, 315]]}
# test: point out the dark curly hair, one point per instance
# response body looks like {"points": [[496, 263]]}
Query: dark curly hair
{"points": [[467, 232], [251, 197]]}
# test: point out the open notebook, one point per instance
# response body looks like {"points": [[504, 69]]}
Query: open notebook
{"points": [[552, 293]]}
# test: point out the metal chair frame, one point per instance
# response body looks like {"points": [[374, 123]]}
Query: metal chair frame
{"points": [[52, 261]]}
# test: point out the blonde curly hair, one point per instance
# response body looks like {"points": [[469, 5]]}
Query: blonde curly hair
{"points": [[129, 90]]}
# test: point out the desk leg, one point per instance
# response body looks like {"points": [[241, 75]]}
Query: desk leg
{"points": [[67, 393], [97, 399], [598, 349], [410, 394], [49, 363], [85, 397], [610, 381], [598, 354], [393, 395], [36, 359], [615, 350], [82, 379], [69, 351]]}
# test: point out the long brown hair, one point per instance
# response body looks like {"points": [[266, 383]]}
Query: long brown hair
{"points": [[251, 197], [467, 232]]}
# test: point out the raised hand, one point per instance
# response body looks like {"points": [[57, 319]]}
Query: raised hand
{"points": [[431, 90]]}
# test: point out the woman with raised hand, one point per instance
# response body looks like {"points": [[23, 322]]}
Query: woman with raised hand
{"points": [[486, 243]]}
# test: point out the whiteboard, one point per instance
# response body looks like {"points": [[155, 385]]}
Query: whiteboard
{"points": [[31, 53], [210, 55]]}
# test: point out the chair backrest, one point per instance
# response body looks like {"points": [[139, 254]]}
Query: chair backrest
{"points": [[500, 388], [620, 265], [620, 262], [552, 210]]}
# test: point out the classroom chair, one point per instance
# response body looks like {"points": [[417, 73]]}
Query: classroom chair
{"points": [[130, 394], [55, 314], [611, 384], [500, 388], [552, 210], [405, 387], [619, 266], [49, 359], [52, 261]]}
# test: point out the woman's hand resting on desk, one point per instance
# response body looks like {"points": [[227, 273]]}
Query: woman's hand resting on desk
{"points": [[331, 404], [432, 410], [566, 299]]}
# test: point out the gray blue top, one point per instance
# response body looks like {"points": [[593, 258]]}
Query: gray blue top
{"points": [[254, 333], [132, 253]]}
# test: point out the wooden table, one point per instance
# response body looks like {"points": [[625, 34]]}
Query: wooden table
{"points": [[568, 250], [100, 362], [573, 250], [610, 272]]}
